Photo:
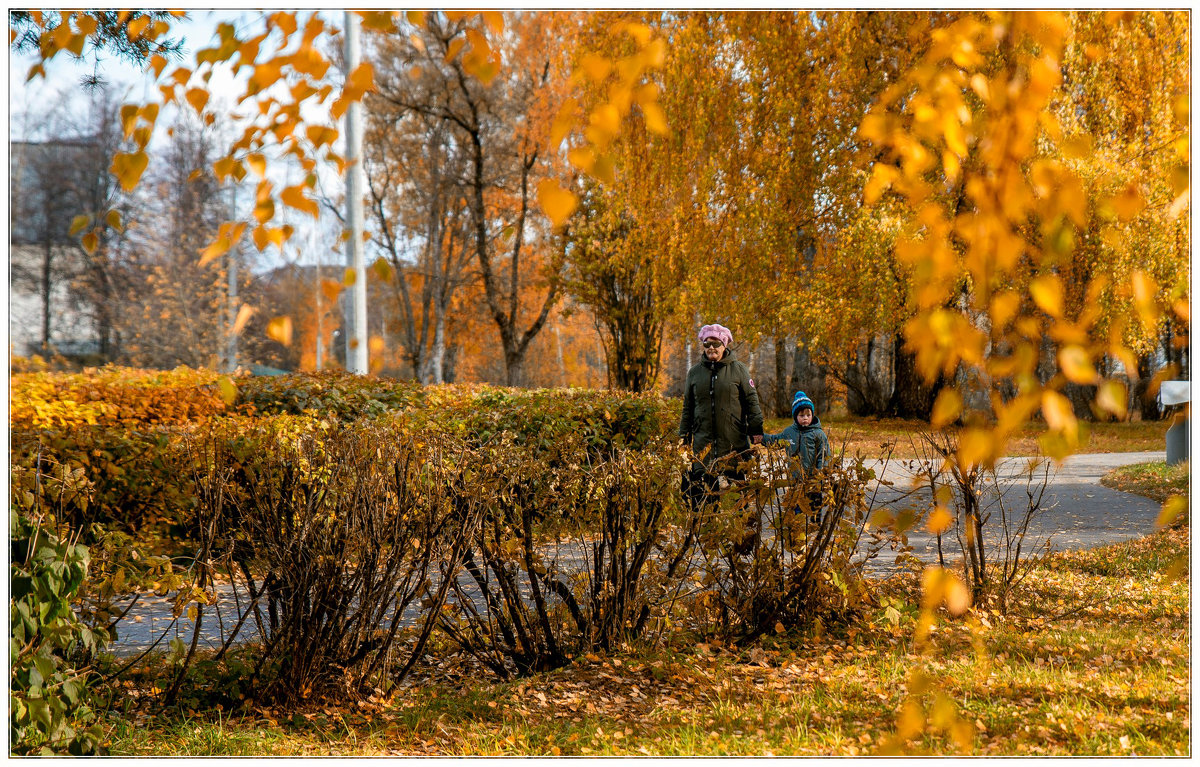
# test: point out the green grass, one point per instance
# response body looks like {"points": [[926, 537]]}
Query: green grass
{"points": [[1154, 480], [1093, 659]]}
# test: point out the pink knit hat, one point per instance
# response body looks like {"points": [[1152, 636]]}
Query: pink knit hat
{"points": [[720, 332]]}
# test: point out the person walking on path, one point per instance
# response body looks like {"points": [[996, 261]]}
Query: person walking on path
{"points": [[721, 415]]}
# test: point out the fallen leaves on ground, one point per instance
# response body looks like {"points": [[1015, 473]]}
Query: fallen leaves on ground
{"points": [[1094, 660]]}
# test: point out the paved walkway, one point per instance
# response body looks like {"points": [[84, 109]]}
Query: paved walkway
{"points": [[1079, 513]]}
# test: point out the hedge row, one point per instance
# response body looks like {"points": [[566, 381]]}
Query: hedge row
{"points": [[134, 399], [113, 396], [119, 425]]}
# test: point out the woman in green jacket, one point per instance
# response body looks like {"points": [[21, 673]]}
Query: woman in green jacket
{"points": [[721, 414]]}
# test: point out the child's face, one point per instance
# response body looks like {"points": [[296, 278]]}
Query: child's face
{"points": [[804, 417]]}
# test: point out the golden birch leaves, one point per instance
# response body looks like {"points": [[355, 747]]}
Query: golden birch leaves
{"points": [[973, 141]]}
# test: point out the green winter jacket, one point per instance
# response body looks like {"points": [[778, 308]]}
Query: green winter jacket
{"points": [[720, 407], [809, 442]]}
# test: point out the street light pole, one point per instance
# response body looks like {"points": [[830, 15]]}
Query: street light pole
{"points": [[231, 341], [356, 338]]}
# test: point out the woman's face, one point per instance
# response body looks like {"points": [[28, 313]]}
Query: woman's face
{"points": [[713, 349]]}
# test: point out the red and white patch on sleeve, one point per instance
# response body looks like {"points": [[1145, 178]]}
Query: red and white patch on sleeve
{"points": [[752, 386]]}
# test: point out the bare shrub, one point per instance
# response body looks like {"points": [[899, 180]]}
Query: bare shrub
{"points": [[561, 561], [1007, 498], [333, 534], [780, 548]]}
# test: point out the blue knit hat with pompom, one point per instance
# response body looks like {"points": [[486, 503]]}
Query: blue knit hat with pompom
{"points": [[801, 400]]}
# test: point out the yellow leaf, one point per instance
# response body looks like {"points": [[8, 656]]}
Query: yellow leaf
{"points": [[149, 112], [981, 86], [1111, 398], [90, 242], [557, 203], [939, 521], [375, 346], [452, 50], [583, 158], [1175, 506], [294, 197], [321, 134], [1182, 310], [243, 316], [128, 168], [158, 63], [656, 119], [135, 26], [639, 32], [258, 164], [563, 122], [975, 447], [1076, 364], [1004, 307], [416, 18], [911, 721], [264, 236], [141, 135], [940, 586], [349, 277], [215, 249], [197, 97], [946, 408], [380, 21], [1058, 412], [223, 167], [129, 115], [606, 118], [479, 60], [383, 269], [361, 80], [595, 66], [264, 205], [494, 21], [227, 389], [874, 127], [331, 289], [882, 177], [75, 44], [280, 329], [228, 235], [79, 223], [265, 75], [1145, 289], [1047, 293], [113, 218], [1128, 203]]}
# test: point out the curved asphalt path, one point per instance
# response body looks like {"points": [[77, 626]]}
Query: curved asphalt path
{"points": [[1078, 513]]}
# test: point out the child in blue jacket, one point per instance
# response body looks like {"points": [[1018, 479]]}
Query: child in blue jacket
{"points": [[805, 439]]}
